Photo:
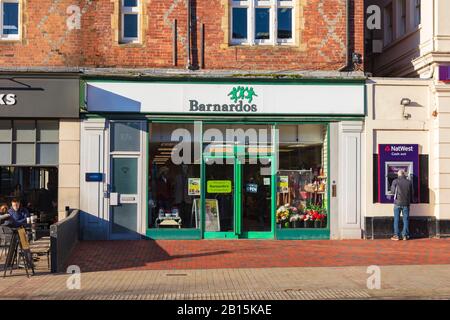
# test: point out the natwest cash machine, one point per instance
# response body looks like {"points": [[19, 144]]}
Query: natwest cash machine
{"points": [[391, 159]]}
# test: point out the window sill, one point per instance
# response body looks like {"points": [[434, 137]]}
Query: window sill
{"points": [[131, 44], [6, 40], [263, 45]]}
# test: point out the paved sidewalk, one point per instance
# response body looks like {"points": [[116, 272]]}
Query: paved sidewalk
{"points": [[244, 270], [423, 282], [220, 254]]}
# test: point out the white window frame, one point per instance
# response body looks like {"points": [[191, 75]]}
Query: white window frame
{"points": [[10, 36], [273, 6], [127, 11]]}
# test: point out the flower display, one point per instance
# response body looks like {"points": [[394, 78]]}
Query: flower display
{"points": [[289, 216], [283, 214]]}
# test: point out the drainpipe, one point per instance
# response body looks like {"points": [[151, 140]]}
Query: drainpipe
{"points": [[347, 37], [188, 47]]}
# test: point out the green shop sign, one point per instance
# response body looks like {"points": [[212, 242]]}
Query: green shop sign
{"points": [[219, 186]]}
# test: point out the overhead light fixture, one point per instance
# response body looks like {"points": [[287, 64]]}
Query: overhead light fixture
{"points": [[165, 149], [405, 102]]}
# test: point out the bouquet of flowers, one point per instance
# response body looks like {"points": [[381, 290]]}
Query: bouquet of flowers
{"points": [[283, 214]]}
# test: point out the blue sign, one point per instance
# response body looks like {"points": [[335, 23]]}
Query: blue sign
{"points": [[94, 177], [251, 188]]}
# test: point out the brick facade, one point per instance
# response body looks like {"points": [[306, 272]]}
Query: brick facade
{"points": [[320, 38]]}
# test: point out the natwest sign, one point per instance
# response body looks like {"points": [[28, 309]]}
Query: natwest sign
{"points": [[391, 159], [399, 148], [226, 99]]}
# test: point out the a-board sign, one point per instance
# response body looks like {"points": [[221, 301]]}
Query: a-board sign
{"points": [[25, 247], [212, 215]]}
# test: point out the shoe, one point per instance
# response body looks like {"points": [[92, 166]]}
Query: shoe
{"points": [[395, 238], [405, 238]]}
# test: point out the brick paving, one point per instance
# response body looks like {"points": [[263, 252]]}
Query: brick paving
{"points": [[242, 270], [219, 254], [424, 282]]}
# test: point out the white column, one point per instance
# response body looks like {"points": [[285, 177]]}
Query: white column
{"points": [[94, 221], [349, 188], [333, 140], [441, 151]]}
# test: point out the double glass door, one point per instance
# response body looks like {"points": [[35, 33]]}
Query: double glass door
{"points": [[238, 198]]}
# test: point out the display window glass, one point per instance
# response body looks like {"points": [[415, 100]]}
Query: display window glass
{"points": [[174, 183], [301, 198]]}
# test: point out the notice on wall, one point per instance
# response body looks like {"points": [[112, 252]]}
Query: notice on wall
{"points": [[194, 186], [283, 184], [219, 186]]}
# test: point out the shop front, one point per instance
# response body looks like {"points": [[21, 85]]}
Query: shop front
{"points": [[33, 109], [217, 160]]}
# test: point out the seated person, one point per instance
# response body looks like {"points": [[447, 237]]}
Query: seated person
{"points": [[3, 209], [16, 216]]}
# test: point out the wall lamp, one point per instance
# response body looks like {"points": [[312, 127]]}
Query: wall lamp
{"points": [[405, 102]]}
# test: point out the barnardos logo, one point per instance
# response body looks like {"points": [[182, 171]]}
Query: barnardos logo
{"points": [[237, 95]]}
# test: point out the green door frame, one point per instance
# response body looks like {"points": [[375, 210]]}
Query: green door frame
{"points": [[237, 233]]}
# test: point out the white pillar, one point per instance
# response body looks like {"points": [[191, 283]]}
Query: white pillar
{"points": [[94, 218], [349, 187]]}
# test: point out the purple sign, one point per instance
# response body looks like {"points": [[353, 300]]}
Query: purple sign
{"points": [[391, 159], [444, 73]]}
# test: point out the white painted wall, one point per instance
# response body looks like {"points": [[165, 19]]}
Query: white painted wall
{"points": [[385, 124]]}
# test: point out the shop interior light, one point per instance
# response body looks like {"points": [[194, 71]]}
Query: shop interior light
{"points": [[298, 145], [165, 149], [304, 145]]}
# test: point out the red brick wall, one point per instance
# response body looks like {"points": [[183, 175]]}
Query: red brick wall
{"points": [[48, 42]]}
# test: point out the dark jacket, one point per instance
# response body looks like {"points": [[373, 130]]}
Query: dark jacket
{"points": [[402, 189], [15, 219]]}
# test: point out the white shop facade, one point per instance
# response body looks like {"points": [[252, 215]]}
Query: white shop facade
{"points": [[222, 159]]}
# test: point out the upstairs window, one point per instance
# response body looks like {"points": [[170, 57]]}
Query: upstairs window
{"points": [[402, 15], [130, 21], [256, 22], [9, 19], [417, 12], [388, 24]]}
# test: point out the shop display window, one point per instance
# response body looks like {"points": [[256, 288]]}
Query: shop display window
{"points": [[29, 152], [35, 187], [174, 177], [301, 198]]}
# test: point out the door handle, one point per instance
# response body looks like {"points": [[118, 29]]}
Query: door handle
{"points": [[333, 190]]}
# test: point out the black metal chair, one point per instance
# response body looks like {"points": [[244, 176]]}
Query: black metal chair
{"points": [[5, 240]]}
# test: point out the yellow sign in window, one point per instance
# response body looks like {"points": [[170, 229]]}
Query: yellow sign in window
{"points": [[219, 186]]}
